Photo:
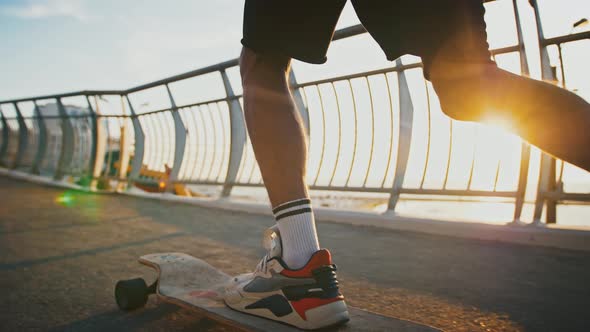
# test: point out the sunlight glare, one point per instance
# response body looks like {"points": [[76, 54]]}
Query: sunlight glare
{"points": [[493, 118], [66, 199]]}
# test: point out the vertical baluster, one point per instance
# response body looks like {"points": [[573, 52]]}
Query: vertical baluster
{"points": [[41, 141], [450, 154], [390, 153], [299, 103], [196, 142], [339, 135], [429, 137], [139, 143], [223, 142], [238, 135], [405, 137], [472, 166], [355, 134], [323, 135], [205, 145], [5, 138], [187, 155], [152, 141], [215, 145], [124, 150], [170, 133], [545, 174], [525, 152], [100, 137], [109, 152], [67, 142], [372, 132], [23, 137], [159, 134], [179, 139]]}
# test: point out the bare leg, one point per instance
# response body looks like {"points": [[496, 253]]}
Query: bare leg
{"points": [[280, 146], [553, 119], [279, 143], [275, 128]]}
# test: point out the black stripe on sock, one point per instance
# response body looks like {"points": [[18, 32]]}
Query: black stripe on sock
{"points": [[290, 205], [292, 213]]}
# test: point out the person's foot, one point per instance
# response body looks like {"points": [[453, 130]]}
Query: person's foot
{"points": [[307, 298]]}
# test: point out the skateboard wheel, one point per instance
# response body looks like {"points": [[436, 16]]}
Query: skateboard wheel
{"points": [[131, 294]]}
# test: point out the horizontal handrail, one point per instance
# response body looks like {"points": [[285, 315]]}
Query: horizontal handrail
{"points": [[180, 77], [204, 142], [65, 95], [338, 35], [566, 38], [167, 80]]}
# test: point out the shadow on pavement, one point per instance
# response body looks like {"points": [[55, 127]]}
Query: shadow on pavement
{"points": [[33, 262], [143, 319]]}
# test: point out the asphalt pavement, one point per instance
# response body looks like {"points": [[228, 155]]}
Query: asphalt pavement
{"points": [[61, 252]]}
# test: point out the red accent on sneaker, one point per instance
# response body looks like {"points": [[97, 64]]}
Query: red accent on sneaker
{"points": [[303, 305], [320, 258]]}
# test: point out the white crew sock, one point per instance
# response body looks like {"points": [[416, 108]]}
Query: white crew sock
{"points": [[299, 238]]}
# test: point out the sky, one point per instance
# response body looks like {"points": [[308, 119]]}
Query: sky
{"points": [[51, 46]]}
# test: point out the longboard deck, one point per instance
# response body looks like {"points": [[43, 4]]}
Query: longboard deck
{"points": [[195, 284]]}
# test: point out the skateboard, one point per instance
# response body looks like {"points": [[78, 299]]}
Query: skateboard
{"points": [[192, 283]]}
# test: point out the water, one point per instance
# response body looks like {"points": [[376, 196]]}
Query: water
{"points": [[462, 209]]}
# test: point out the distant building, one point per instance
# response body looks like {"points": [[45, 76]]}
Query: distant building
{"points": [[82, 127]]}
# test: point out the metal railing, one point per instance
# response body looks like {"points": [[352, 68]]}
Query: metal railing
{"points": [[368, 132], [551, 183]]}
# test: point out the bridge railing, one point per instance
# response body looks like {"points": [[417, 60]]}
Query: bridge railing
{"points": [[372, 131], [553, 187]]}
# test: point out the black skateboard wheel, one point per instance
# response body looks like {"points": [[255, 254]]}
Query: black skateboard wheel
{"points": [[131, 294]]}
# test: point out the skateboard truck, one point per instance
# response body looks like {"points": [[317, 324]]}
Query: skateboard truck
{"points": [[133, 293]]}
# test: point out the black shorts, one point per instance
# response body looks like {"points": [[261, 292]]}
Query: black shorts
{"points": [[447, 30]]}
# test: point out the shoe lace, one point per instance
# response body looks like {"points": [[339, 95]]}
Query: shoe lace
{"points": [[270, 242], [263, 264]]}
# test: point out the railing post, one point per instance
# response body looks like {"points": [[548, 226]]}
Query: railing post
{"points": [[41, 141], [124, 153], [139, 143], [545, 173], [551, 216], [93, 148], [406, 116], [303, 110], [100, 144], [525, 153], [542, 187], [67, 142], [5, 138], [179, 142], [23, 137], [238, 136]]}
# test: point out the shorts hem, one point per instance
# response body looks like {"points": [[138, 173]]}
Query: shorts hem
{"points": [[259, 49]]}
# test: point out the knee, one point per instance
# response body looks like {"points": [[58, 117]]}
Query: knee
{"points": [[463, 99], [452, 101], [263, 69]]}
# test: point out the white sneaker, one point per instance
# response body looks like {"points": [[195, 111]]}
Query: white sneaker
{"points": [[307, 298]]}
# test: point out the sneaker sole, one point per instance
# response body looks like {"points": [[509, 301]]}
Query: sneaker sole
{"points": [[331, 314], [335, 313]]}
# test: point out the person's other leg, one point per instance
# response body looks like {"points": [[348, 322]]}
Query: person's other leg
{"points": [[279, 143], [450, 36], [551, 118], [473, 89]]}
